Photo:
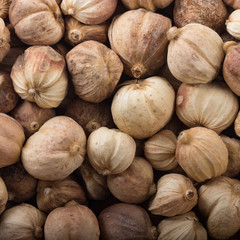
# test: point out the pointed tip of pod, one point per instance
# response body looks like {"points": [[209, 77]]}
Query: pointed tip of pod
{"points": [[227, 45], [172, 33]]}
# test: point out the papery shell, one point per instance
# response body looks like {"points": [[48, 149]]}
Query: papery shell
{"points": [[8, 97], [110, 151], [211, 13], [175, 195], [96, 184], [4, 40], [159, 150], [135, 184], [12, 139], [233, 146], [55, 150], [201, 153], [77, 32], [95, 70], [182, 227], [22, 221], [141, 108], [21, 186], [3, 195], [37, 22], [124, 221], [219, 202], [194, 53], [53, 194], [233, 24], [39, 75], [139, 37], [150, 5], [31, 116], [90, 116], [231, 70], [71, 222], [89, 12], [212, 105]]}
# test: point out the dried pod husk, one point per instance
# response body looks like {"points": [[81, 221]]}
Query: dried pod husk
{"points": [[135, 184], [90, 116], [55, 150], [20, 184], [3, 195], [22, 221], [4, 7], [233, 146], [74, 221], [159, 150], [53, 194], [95, 70], [11, 140], [8, 97], [110, 151], [77, 32], [124, 221], [138, 110], [31, 116], [96, 184], [211, 13], [4, 40], [150, 5], [235, 4], [212, 105], [219, 203], [140, 44], [39, 76], [195, 53], [231, 70], [182, 227], [37, 22], [10, 59], [233, 24], [175, 125], [201, 153], [237, 125], [90, 12], [175, 195]]}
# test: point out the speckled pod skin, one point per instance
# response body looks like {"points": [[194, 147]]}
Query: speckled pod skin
{"points": [[71, 222], [124, 221], [37, 22], [231, 69], [219, 203], [11, 138], [211, 13], [55, 150], [8, 97], [140, 44], [95, 70], [31, 116]]}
